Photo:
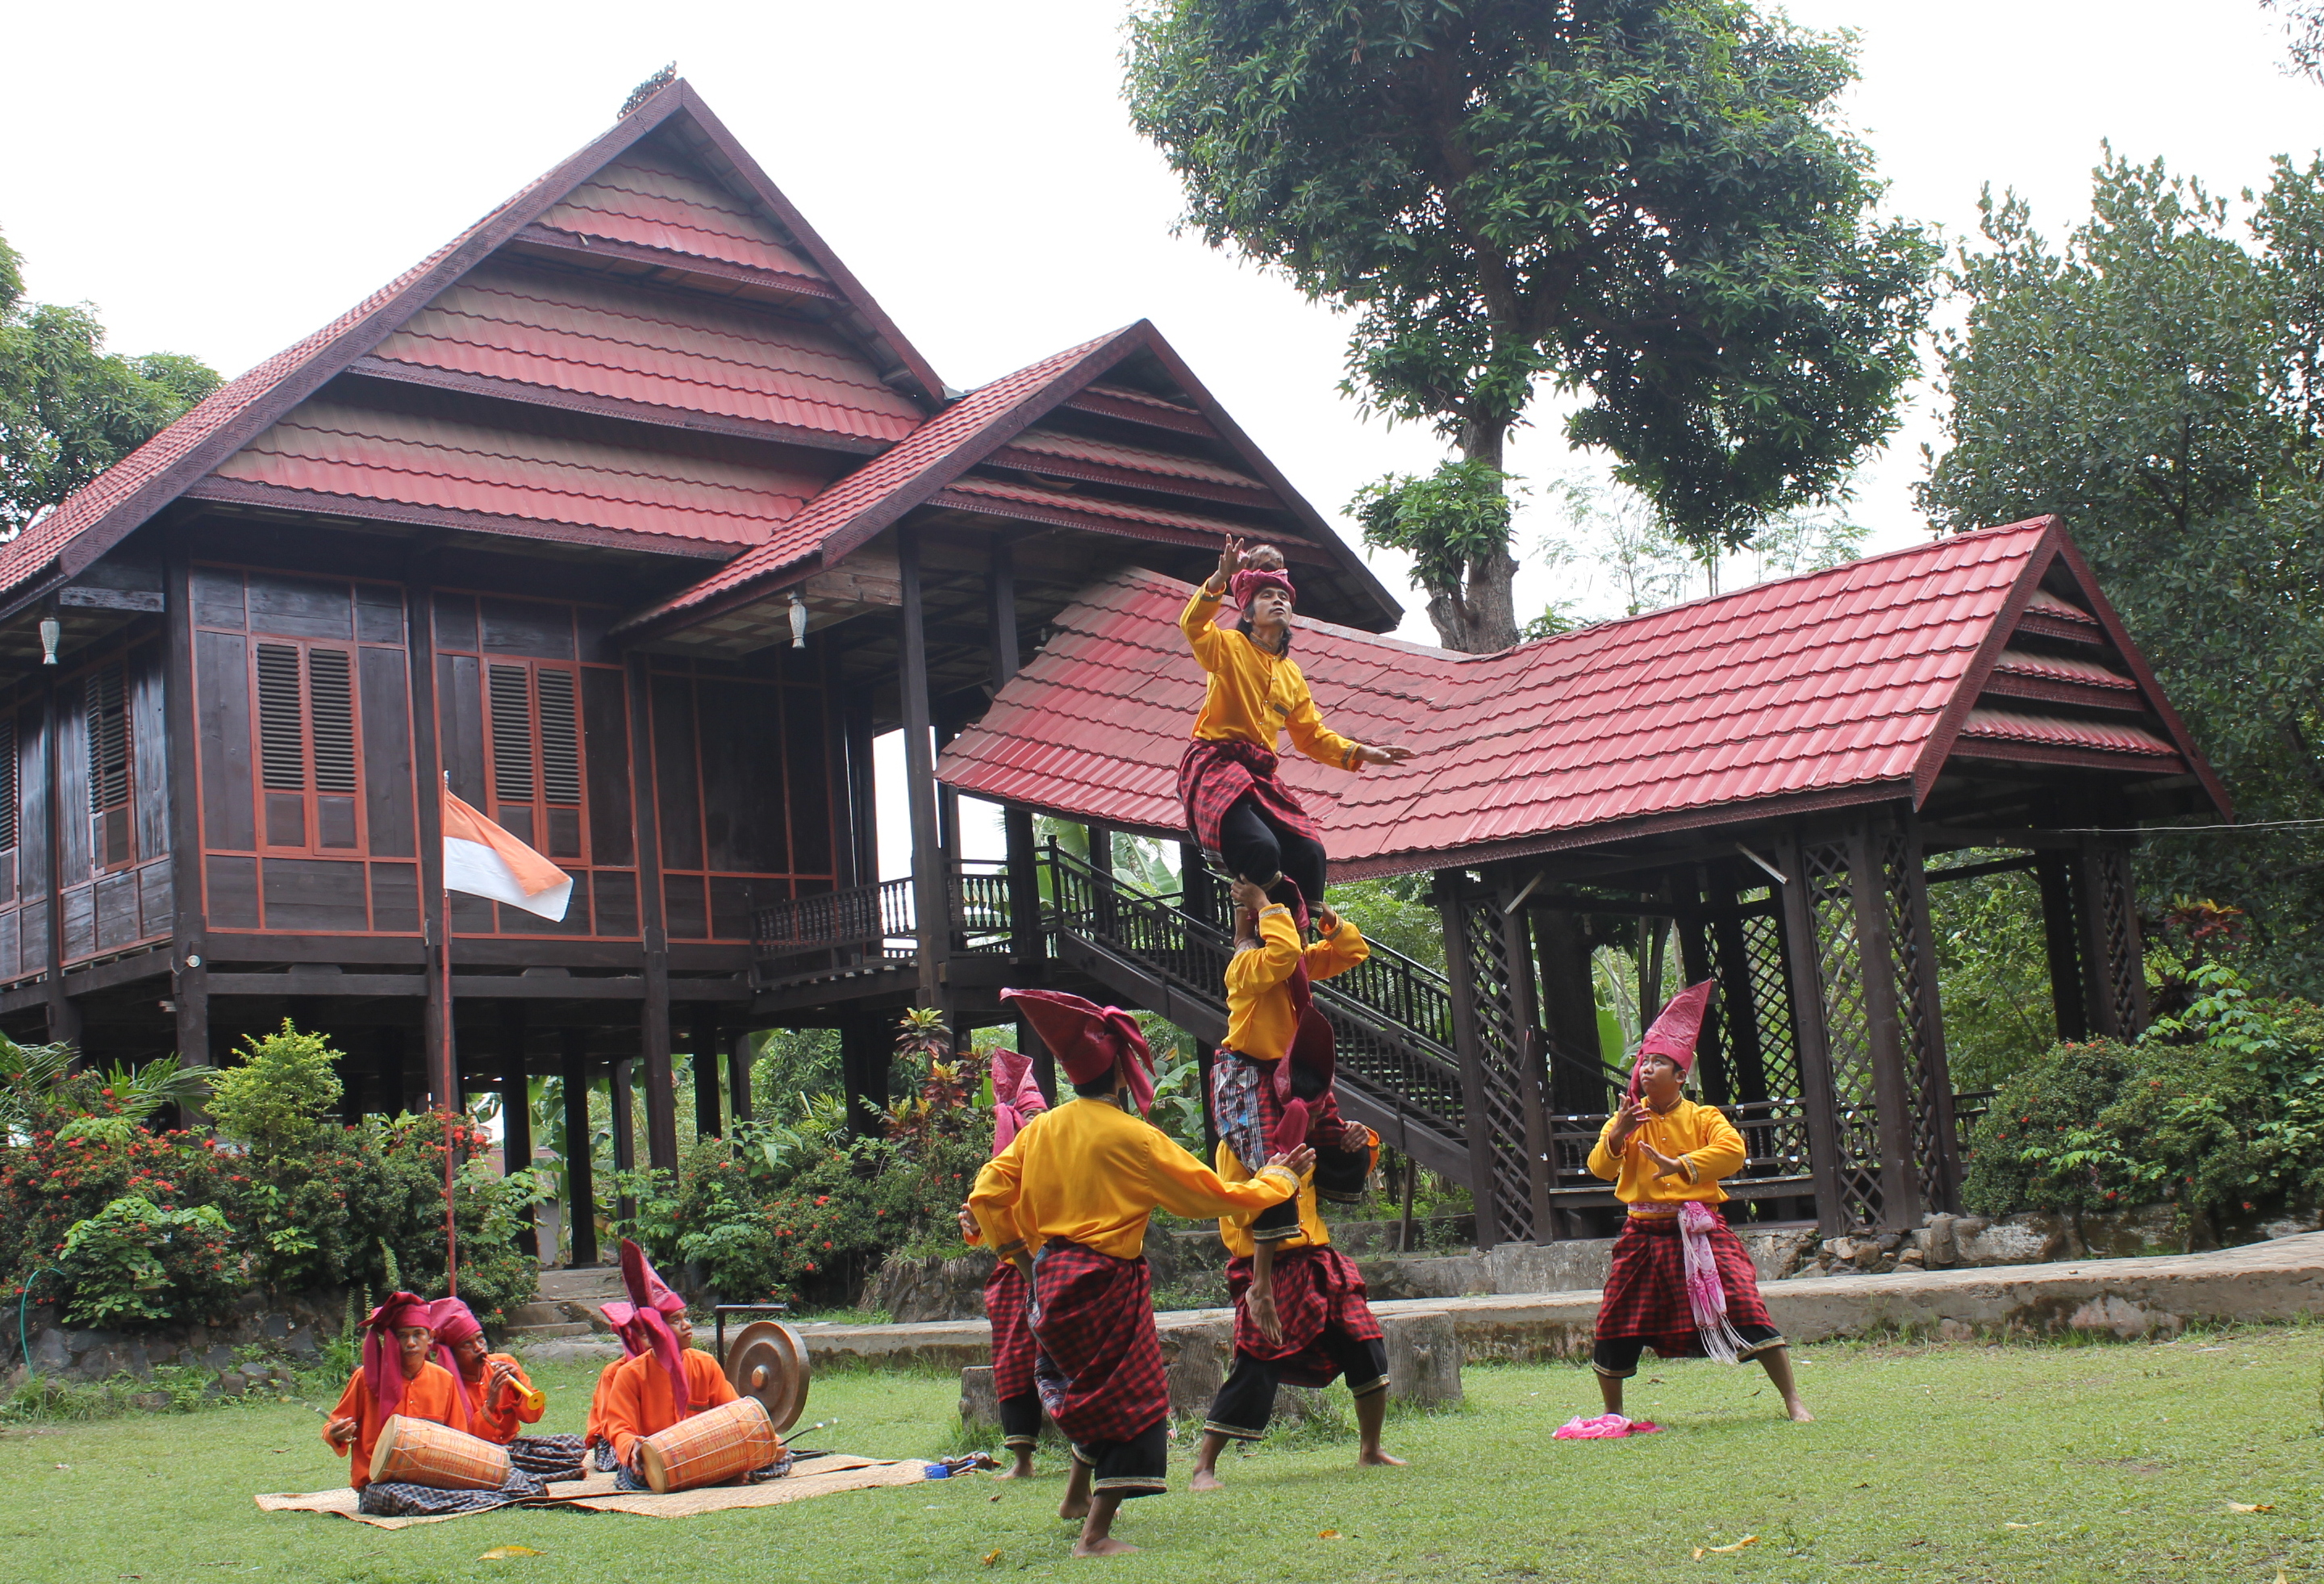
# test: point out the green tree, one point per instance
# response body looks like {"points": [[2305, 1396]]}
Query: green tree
{"points": [[276, 1099], [1647, 202], [2157, 383], [69, 409]]}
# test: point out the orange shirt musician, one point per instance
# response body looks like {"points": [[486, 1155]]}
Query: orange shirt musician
{"points": [[669, 1381], [1236, 807], [497, 1395], [397, 1377]]}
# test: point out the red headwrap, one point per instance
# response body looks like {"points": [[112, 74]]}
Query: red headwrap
{"points": [[1017, 1099], [649, 1329], [1676, 1031], [620, 1316], [453, 1321], [1088, 1039], [1252, 579], [382, 1351]]}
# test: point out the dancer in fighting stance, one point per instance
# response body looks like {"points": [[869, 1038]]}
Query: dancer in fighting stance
{"points": [[1682, 1282], [1017, 1099], [1068, 1204]]}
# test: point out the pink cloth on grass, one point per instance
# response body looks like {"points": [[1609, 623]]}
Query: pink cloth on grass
{"points": [[1604, 1427]]}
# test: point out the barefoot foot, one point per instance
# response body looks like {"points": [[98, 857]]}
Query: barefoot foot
{"points": [[1798, 1413], [1376, 1459], [1204, 1480], [1106, 1547], [1072, 1508]]}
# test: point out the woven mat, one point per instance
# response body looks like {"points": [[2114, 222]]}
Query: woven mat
{"points": [[811, 1476]]}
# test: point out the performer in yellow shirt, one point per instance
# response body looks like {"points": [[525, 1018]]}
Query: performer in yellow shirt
{"points": [[1068, 1201], [1237, 808], [1682, 1282]]}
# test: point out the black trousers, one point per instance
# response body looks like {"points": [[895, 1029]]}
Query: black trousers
{"points": [[1258, 847], [1247, 1401], [1618, 1355], [1139, 1466], [1020, 1420]]}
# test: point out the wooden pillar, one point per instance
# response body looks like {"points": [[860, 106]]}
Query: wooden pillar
{"points": [[1712, 1063], [1802, 961], [1739, 1010], [1892, 1084], [189, 978], [2113, 973], [437, 1032], [625, 1129], [865, 1054], [580, 1169], [64, 1017], [2060, 937], [1568, 1008], [703, 1042], [1919, 1002], [931, 903], [1025, 935], [653, 1016], [516, 1115], [863, 791], [1461, 973], [1533, 1058], [742, 1049]]}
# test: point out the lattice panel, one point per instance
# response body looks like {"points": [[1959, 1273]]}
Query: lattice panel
{"points": [[1917, 1026], [1771, 1002], [1847, 1028], [2118, 933], [1500, 1066]]}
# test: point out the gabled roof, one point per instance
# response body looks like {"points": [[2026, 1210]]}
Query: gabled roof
{"points": [[997, 424], [646, 211], [1856, 684]]}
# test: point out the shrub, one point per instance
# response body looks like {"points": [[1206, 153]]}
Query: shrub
{"points": [[135, 1261], [2025, 1154], [276, 1099]]}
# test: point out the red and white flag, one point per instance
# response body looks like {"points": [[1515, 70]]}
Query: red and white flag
{"points": [[483, 860]]}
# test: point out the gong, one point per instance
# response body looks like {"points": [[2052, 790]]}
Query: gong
{"points": [[768, 1361]]}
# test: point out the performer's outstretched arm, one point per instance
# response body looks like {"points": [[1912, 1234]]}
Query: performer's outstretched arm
{"points": [[1185, 1186]]}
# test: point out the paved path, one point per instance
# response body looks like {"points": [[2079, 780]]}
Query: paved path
{"points": [[2281, 1279]]}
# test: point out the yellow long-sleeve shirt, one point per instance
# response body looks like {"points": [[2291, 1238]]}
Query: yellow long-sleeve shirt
{"points": [[1698, 1137], [1093, 1175], [1255, 696], [1260, 1019]]}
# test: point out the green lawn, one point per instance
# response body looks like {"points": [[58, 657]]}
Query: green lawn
{"points": [[2112, 1462]]}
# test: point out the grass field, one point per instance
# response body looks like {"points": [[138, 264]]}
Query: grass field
{"points": [[2109, 1462]]}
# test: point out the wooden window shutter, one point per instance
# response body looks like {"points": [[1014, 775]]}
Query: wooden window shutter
{"points": [[330, 694], [107, 708], [512, 746], [281, 720], [560, 739], [8, 787]]}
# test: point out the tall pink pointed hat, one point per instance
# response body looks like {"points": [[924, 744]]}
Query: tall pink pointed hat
{"points": [[1088, 1039], [1674, 1033], [1017, 1099], [649, 1329]]}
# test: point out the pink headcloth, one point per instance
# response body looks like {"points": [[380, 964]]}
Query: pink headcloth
{"points": [[382, 1353], [1088, 1039], [1674, 1033], [453, 1321], [1252, 579], [1017, 1099], [649, 1329], [622, 1318]]}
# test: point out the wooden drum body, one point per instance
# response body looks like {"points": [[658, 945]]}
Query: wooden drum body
{"points": [[421, 1451], [716, 1445]]}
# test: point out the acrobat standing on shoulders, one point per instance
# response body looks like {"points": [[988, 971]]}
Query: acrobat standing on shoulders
{"points": [[1236, 807], [1682, 1281]]}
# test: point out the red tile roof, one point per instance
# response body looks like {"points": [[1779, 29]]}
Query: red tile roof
{"points": [[858, 505], [1052, 443], [366, 454], [1037, 499], [601, 337], [1836, 685], [648, 198]]}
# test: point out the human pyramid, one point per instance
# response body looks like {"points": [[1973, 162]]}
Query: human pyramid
{"points": [[1065, 1199]]}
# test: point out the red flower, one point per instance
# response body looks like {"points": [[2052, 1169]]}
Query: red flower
{"points": [[823, 1199], [827, 1242]]}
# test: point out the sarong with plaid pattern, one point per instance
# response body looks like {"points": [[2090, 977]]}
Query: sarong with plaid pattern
{"points": [[1014, 1347], [1213, 776], [1101, 1373], [397, 1499], [1315, 1289], [547, 1457], [1646, 1292]]}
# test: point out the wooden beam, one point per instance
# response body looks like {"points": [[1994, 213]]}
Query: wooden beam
{"points": [[739, 1051], [189, 996], [931, 910], [1803, 952], [653, 1018], [1892, 1088], [2060, 940], [516, 1117], [1461, 973], [581, 1196], [437, 1031]]}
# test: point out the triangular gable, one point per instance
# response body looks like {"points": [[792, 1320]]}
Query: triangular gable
{"points": [[107, 509], [936, 465]]}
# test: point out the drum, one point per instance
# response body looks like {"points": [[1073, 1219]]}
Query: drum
{"points": [[767, 1360], [421, 1451], [715, 1446]]}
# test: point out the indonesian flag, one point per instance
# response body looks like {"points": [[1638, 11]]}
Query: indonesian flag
{"points": [[483, 860]]}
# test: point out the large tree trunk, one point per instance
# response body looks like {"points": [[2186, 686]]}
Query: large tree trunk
{"points": [[1479, 617]]}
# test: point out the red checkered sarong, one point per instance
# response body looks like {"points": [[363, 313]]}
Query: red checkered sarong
{"points": [[1645, 1295], [1012, 1330], [1101, 1373], [1213, 776], [1316, 1290]]}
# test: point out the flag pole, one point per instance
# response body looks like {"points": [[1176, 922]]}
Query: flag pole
{"points": [[450, 1068]]}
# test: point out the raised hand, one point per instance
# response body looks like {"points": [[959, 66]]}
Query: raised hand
{"points": [[340, 1432], [1371, 755], [1665, 1166], [1295, 1161], [1632, 1117], [1230, 561]]}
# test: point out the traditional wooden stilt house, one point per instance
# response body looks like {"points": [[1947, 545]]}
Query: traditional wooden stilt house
{"points": [[1781, 772], [631, 515]]}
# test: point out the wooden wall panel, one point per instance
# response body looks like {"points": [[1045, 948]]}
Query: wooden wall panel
{"points": [[731, 897], [316, 894], [72, 785], [386, 709], [216, 596], [810, 772], [677, 778], [80, 921], [300, 607], [615, 895], [231, 891], [606, 753], [455, 620], [460, 726], [32, 936], [150, 749], [32, 802], [743, 811], [531, 627], [222, 699], [157, 896], [394, 895], [687, 918], [379, 613], [117, 910], [11, 937]]}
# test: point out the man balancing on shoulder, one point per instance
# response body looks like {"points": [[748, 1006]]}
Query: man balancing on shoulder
{"points": [[497, 1395], [1017, 1099], [667, 1380], [397, 1377], [1682, 1282], [1301, 1312], [1237, 807], [1067, 1203]]}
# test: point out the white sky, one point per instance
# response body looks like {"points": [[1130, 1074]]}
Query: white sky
{"points": [[221, 180]]}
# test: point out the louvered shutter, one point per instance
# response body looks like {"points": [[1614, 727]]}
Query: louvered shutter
{"points": [[8, 782], [107, 709], [307, 744], [536, 756], [560, 762]]}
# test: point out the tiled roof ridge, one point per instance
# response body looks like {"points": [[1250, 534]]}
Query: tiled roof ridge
{"points": [[442, 434]]}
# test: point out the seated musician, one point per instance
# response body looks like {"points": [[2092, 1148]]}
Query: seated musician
{"points": [[497, 1395], [397, 1377], [594, 1431], [669, 1381]]}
